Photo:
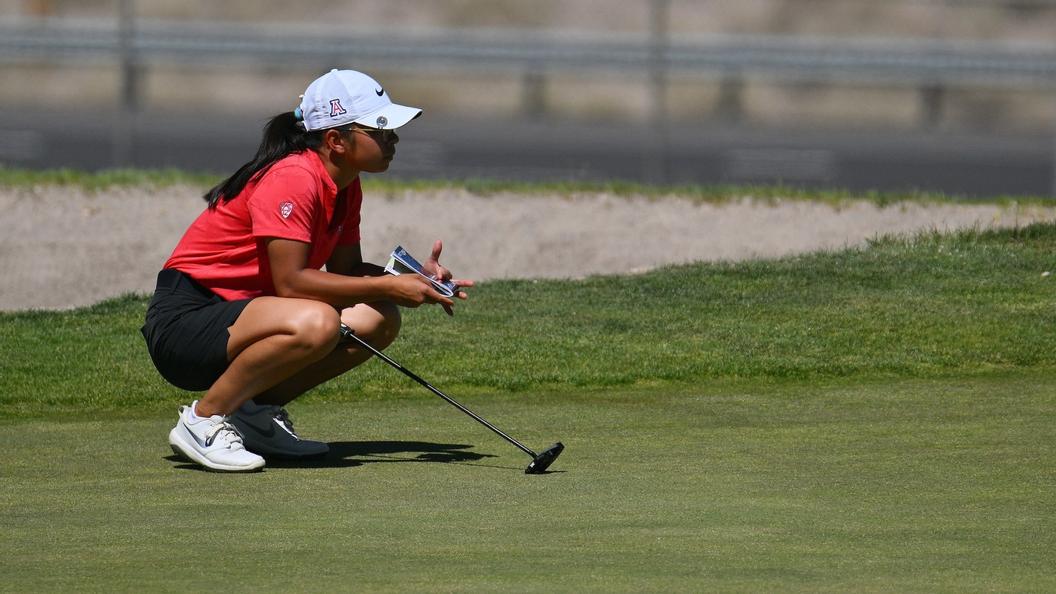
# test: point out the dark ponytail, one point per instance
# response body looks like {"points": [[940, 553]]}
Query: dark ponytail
{"points": [[283, 136]]}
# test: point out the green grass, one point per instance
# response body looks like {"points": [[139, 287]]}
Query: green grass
{"points": [[933, 306], [874, 419], [901, 485], [98, 181], [154, 178]]}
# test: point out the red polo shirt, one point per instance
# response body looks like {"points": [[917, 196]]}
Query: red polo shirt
{"points": [[296, 199]]}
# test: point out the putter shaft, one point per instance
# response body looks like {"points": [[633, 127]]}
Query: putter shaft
{"points": [[348, 333]]}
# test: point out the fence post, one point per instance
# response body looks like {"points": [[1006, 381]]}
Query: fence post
{"points": [[657, 160], [932, 98], [129, 102], [533, 92], [729, 106]]}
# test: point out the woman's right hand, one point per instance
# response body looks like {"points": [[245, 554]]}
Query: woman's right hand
{"points": [[411, 290]]}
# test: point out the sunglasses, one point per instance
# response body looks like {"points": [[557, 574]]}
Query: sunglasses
{"points": [[376, 133]]}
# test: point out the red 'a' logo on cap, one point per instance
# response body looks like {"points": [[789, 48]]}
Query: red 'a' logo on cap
{"points": [[336, 109]]}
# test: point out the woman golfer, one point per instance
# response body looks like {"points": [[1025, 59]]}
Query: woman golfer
{"points": [[243, 310]]}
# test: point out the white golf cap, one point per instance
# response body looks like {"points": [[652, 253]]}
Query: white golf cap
{"points": [[342, 97]]}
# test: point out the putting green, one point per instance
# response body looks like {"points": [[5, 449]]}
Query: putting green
{"points": [[941, 484]]}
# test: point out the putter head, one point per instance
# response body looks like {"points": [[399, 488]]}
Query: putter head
{"points": [[544, 459]]}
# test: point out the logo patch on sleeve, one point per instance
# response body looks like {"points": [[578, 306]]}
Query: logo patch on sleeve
{"points": [[285, 209]]}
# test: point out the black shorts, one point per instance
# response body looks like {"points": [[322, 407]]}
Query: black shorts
{"points": [[186, 331]]}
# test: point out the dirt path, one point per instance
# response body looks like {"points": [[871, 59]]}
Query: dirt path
{"points": [[65, 248]]}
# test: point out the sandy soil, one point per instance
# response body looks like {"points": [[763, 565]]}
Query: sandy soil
{"points": [[64, 248]]}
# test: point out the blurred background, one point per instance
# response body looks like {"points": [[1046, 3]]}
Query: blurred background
{"points": [[957, 96]]}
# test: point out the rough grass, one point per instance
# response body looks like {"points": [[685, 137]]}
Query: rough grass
{"points": [[932, 306], [153, 178]]}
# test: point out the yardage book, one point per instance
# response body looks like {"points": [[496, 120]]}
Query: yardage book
{"points": [[401, 262]]}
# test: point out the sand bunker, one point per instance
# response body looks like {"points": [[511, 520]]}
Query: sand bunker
{"points": [[64, 248]]}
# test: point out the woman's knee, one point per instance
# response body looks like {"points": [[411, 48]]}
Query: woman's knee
{"points": [[391, 320], [315, 326], [307, 324], [378, 323]]}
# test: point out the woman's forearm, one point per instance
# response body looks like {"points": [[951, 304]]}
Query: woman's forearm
{"points": [[336, 289]]}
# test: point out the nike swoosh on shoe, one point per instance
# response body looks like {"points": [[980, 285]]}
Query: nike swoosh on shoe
{"points": [[269, 432], [198, 440]]}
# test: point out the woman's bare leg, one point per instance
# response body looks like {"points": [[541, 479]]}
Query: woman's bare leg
{"points": [[376, 323], [273, 339]]}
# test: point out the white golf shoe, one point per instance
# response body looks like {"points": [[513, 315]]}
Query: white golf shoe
{"points": [[267, 430], [212, 442]]}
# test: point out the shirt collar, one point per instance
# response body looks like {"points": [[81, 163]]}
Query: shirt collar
{"points": [[327, 188]]}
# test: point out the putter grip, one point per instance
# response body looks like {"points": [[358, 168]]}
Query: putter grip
{"points": [[346, 333]]}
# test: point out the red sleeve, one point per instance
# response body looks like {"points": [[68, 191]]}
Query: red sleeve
{"points": [[350, 233], [284, 204]]}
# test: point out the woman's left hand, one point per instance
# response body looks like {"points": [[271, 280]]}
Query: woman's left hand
{"points": [[432, 267]]}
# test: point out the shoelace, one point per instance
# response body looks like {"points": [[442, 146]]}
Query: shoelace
{"points": [[283, 416], [231, 435], [280, 415]]}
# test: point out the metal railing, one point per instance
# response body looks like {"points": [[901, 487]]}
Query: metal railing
{"points": [[886, 61], [928, 65]]}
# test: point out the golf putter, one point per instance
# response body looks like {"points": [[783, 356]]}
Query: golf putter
{"points": [[540, 462]]}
